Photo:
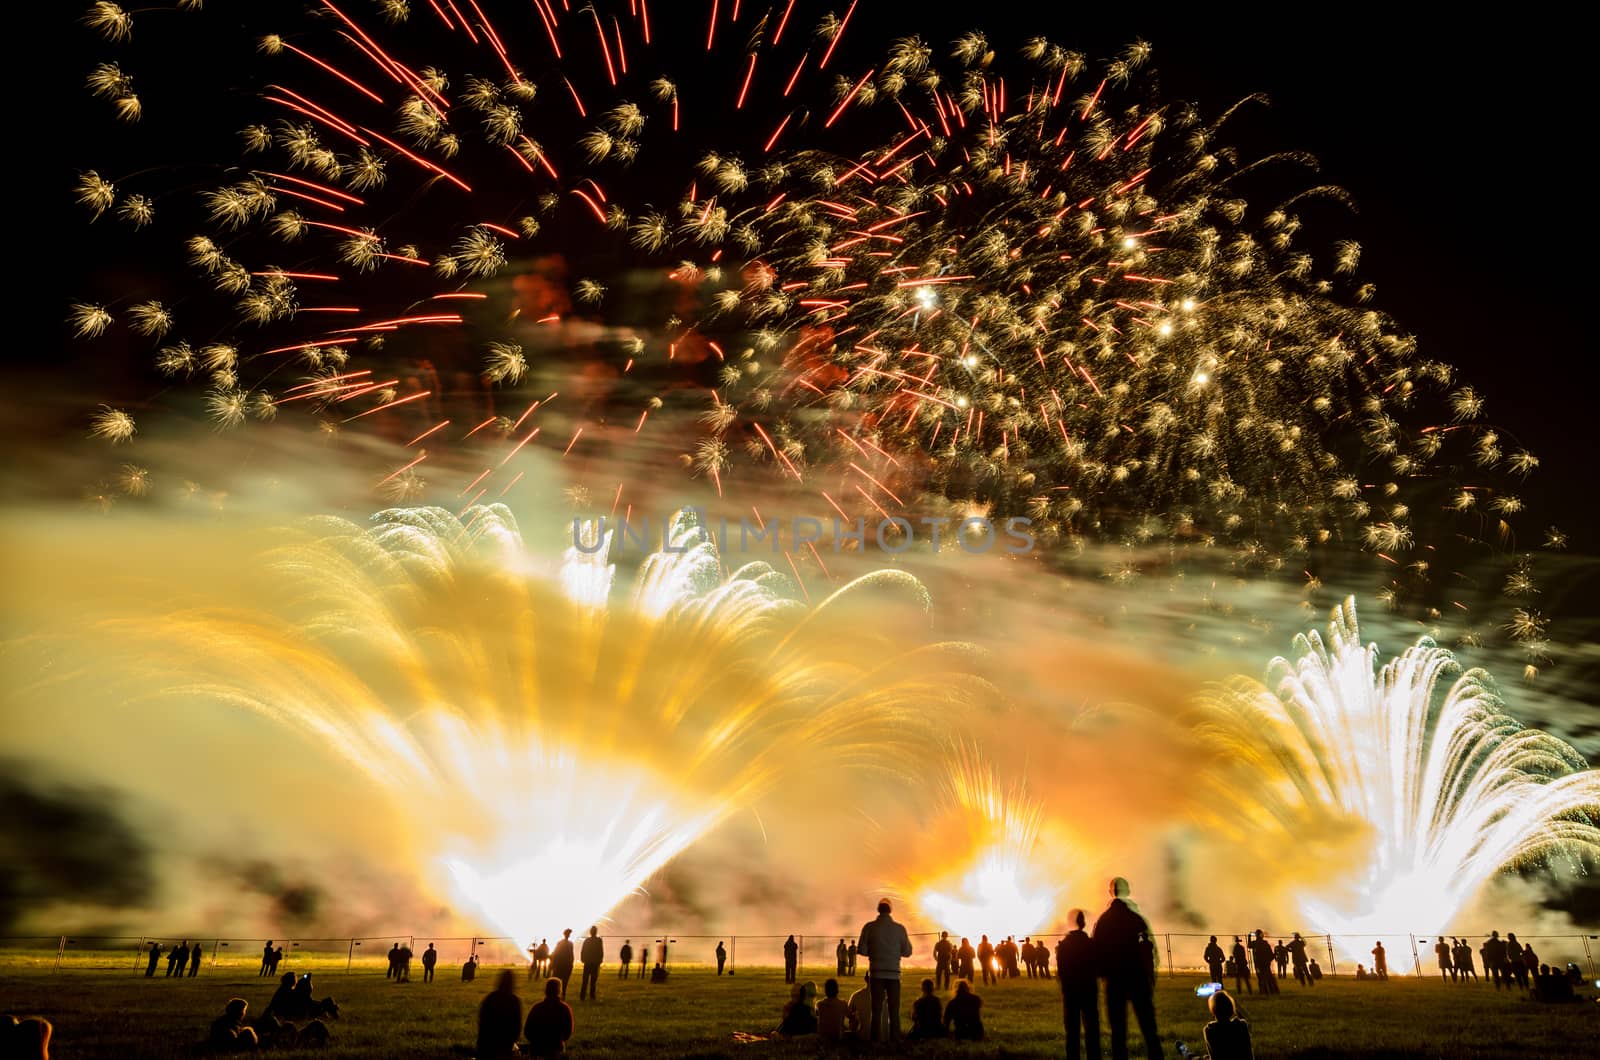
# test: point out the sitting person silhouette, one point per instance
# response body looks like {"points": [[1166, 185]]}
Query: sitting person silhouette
{"points": [[927, 1020], [799, 1017], [963, 1016], [1227, 1036], [228, 1032], [549, 1023], [833, 1013]]}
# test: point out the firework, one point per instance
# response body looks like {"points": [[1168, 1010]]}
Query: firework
{"points": [[992, 878], [1039, 288], [551, 750], [1411, 766]]}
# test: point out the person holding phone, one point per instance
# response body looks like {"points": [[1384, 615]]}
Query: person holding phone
{"points": [[1227, 1036]]}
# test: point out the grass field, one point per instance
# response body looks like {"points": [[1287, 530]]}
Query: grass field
{"points": [[696, 1014]]}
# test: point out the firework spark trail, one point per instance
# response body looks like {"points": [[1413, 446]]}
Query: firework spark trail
{"points": [[1447, 790], [998, 886], [1041, 288], [550, 750]]}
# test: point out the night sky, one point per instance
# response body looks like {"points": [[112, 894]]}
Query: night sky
{"points": [[1453, 135]]}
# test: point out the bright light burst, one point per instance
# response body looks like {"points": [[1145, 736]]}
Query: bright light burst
{"points": [[999, 885], [1442, 789], [551, 751]]}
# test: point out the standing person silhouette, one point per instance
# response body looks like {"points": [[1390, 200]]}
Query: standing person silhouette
{"points": [[592, 956], [625, 955], [965, 955], [986, 960], [1530, 964], [1297, 955], [722, 956], [1214, 958], [1463, 955], [154, 953], [266, 959], [1079, 975], [851, 953], [1241, 967], [1280, 958], [1380, 960], [842, 954], [1494, 958], [1128, 963], [194, 960], [394, 961], [791, 959], [1262, 953], [178, 958], [430, 957], [1515, 968], [561, 959], [886, 944], [943, 957], [1447, 964]]}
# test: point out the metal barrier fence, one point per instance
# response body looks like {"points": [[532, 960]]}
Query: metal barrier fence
{"points": [[1178, 952]]}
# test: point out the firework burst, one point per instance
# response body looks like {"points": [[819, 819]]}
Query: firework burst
{"points": [[990, 877], [1432, 787], [552, 749], [1040, 287]]}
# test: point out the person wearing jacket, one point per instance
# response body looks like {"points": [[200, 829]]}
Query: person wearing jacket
{"points": [[1127, 963], [561, 961], [592, 956], [885, 944], [1079, 975]]}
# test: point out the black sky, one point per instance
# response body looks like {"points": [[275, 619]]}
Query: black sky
{"points": [[1459, 138]]}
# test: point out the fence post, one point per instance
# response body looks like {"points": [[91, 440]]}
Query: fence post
{"points": [[1588, 953], [733, 955], [1171, 971], [138, 954], [1333, 965], [351, 958], [61, 947], [1414, 958]]}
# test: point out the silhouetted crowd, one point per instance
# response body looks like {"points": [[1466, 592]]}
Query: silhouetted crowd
{"points": [[1109, 967], [178, 958]]}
